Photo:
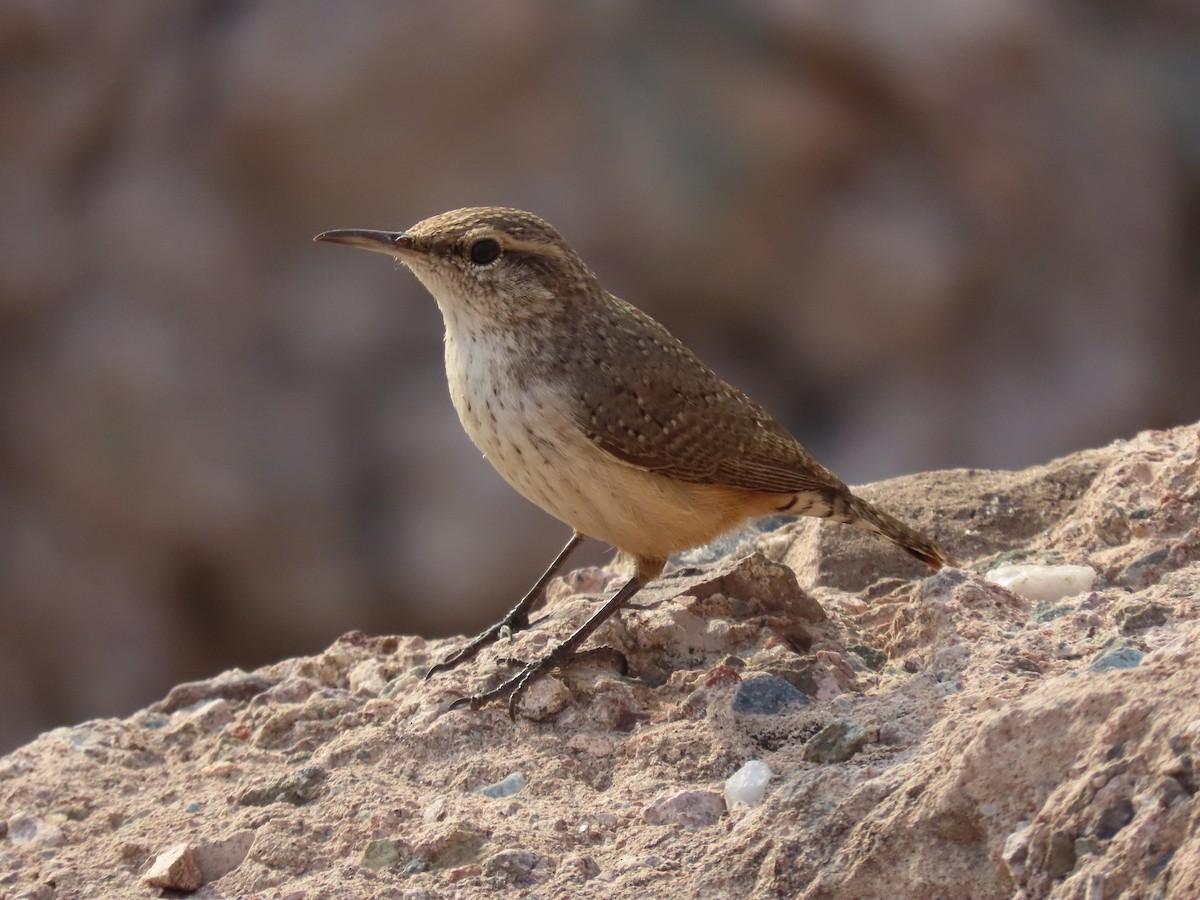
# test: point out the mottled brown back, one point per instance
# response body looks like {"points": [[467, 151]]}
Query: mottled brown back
{"points": [[643, 397]]}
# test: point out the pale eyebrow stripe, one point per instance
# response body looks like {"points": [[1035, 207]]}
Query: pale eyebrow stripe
{"points": [[536, 248]]}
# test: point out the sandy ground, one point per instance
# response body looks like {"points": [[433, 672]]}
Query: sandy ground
{"points": [[927, 737]]}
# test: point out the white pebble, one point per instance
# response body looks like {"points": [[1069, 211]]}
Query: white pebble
{"points": [[1044, 584], [746, 786]]}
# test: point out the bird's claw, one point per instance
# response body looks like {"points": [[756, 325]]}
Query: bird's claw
{"points": [[513, 689], [470, 649]]}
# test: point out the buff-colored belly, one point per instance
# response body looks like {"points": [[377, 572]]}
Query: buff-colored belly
{"points": [[537, 449]]}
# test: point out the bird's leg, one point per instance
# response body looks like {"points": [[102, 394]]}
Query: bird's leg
{"points": [[516, 619], [515, 686], [604, 654]]}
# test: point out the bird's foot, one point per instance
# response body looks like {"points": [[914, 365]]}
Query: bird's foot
{"points": [[485, 638], [557, 658], [513, 688], [602, 654], [567, 650]]}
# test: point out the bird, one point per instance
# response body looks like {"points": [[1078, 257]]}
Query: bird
{"points": [[596, 413]]}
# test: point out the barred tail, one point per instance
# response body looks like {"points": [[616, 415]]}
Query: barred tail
{"points": [[859, 513]]}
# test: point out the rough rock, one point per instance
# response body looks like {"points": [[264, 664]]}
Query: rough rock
{"points": [[955, 739], [688, 809], [175, 869]]}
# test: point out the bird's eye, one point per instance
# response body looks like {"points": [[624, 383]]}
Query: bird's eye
{"points": [[484, 251]]}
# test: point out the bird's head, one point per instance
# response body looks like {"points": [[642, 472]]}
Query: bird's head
{"points": [[483, 264]]}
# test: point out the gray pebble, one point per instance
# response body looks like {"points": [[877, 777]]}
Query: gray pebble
{"points": [[506, 787], [1117, 658], [767, 696]]}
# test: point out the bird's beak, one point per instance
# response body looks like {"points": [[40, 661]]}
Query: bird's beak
{"points": [[397, 244]]}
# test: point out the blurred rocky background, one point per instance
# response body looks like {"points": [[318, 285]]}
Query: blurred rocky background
{"points": [[925, 235]]}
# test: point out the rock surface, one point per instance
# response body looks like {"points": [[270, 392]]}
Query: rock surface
{"points": [[952, 739]]}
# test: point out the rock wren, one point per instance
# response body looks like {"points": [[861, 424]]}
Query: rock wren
{"points": [[596, 413]]}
